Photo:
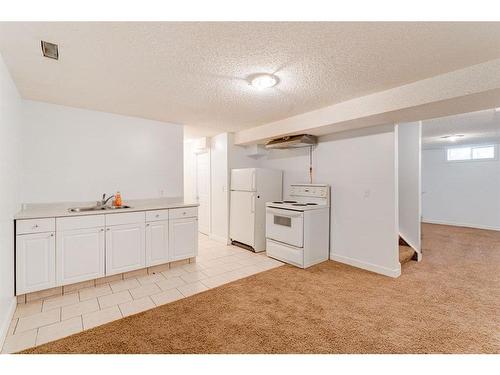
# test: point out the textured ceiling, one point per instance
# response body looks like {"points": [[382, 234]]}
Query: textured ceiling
{"points": [[194, 73], [477, 127]]}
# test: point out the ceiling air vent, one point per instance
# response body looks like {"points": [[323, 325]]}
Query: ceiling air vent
{"points": [[50, 50], [293, 141]]}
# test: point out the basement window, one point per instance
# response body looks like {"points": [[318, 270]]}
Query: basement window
{"points": [[469, 153]]}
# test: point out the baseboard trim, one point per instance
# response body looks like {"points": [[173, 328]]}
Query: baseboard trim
{"points": [[395, 272], [4, 327], [455, 224], [220, 239]]}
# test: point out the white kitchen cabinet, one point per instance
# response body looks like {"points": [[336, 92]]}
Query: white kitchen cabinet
{"points": [[156, 243], [183, 238], [79, 255], [125, 248], [68, 249], [35, 262], [31, 226]]}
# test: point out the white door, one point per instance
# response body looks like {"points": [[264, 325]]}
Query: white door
{"points": [[183, 238], [35, 262], [156, 243], [243, 179], [242, 217], [79, 255], [203, 191], [125, 248]]}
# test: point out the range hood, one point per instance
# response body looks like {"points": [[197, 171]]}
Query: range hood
{"points": [[293, 141]]}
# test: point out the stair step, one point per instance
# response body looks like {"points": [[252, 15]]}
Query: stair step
{"points": [[406, 254]]}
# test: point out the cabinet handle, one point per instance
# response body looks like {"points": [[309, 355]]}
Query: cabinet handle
{"points": [[157, 215], [147, 225], [102, 230], [108, 229], [52, 235], [35, 226]]}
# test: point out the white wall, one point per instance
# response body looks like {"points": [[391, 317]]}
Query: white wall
{"points": [[189, 171], [360, 166], [219, 171], [294, 163], [460, 193], [73, 154], [10, 122], [239, 155], [409, 158]]}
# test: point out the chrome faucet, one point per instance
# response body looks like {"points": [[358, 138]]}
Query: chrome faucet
{"points": [[104, 200]]}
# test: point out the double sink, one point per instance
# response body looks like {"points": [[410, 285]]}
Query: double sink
{"points": [[97, 208]]}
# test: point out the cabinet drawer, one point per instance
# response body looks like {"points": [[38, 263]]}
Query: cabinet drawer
{"points": [[177, 213], [35, 226], [285, 253], [79, 222], [157, 215], [125, 218]]}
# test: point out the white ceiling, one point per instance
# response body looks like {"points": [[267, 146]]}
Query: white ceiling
{"points": [[477, 127], [195, 73]]}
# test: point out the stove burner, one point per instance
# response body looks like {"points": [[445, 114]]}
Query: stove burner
{"points": [[299, 204]]}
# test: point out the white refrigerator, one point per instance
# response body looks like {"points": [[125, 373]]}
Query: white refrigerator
{"points": [[251, 188]]}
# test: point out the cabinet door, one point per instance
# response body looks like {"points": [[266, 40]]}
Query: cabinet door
{"points": [[183, 239], [156, 243], [79, 255], [35, 262], [125, 248]]}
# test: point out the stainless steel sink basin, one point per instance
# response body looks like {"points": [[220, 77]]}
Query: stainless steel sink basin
{"points": [[116, 208], [97, 208]]}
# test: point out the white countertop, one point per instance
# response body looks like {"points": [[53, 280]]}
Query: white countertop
{"points": [[41, 210]]}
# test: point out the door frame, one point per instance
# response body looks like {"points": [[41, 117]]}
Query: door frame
{"points": [[209, 167]]}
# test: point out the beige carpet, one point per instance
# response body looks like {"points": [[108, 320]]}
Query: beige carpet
{"points": [[448, 303]]}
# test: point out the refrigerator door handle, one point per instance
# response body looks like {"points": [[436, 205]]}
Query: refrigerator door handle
{"points": [[253, 180], [253, 204]]}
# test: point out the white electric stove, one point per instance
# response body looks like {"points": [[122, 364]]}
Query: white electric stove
{"points": [[298, 229]]}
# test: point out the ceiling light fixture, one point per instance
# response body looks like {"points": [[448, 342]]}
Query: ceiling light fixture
{"points": [[452, 137], [263, 81]]}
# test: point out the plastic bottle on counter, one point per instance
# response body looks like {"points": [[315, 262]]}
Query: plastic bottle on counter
{"points": [[118, 199]]}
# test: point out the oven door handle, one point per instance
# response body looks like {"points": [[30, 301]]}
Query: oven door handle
{"points": [[284, 213]]}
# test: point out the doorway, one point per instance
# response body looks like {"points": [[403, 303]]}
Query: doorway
{"points": [[203, 191], [461, 170]]}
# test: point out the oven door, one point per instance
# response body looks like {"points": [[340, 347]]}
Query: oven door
{"points": [[285, 226]]}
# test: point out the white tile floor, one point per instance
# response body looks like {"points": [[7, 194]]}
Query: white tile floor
{"points": [[52, 318]]}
